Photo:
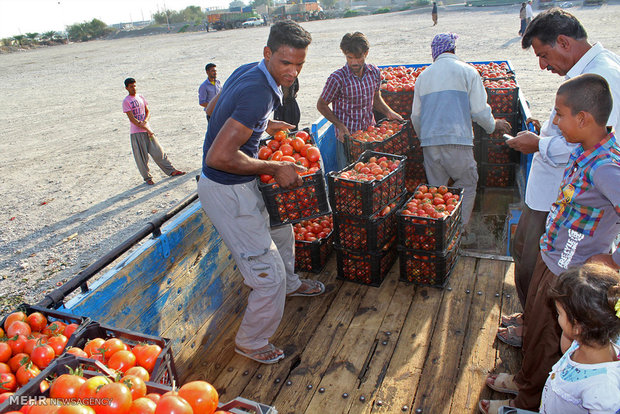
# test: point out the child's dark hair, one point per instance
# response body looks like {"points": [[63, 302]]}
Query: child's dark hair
{"points": [[355, 43], [588, 93], [288, 33], [588, 294], [129, 81]]}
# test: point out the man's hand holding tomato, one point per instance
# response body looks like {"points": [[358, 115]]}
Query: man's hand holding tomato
{"points": [[287, 174]]}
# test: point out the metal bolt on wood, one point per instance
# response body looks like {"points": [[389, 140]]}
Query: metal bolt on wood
{"points": [[345, 395], [230, 369], [309, 386], [379, 403], [468, 291], [246, 372], [362, 398], [479, 293], [289, 382], [418, 411], [405, 408], [449, 289], [321, 390], [388, 333], [497, 295], [508, 296], [259, 376], [277, 380]]}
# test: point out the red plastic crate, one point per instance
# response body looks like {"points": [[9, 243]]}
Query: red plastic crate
{"points": [[357, 198], [397, 144], [366, 267], [288, 206], [429, 268], [427, 233], [312, 256], [358, 233]]}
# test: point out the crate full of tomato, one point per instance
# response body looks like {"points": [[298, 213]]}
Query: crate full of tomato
{"points": [[288, 206], [389, 137], [496, 175], [313, 243], [367, 186], [366, 267], [414, 170], [429, 268], [502, 95], [31, 338], [494, 70], [430, 218], [369, 234], [397, 87], [121, 349], [83, 385]]}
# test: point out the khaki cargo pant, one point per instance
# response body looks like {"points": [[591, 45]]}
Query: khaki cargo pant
{"points": [[265, 256], [442, 162], [142, 146]]}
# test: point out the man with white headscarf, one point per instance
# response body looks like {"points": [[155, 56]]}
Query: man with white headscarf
{"points": [[449, 94]]}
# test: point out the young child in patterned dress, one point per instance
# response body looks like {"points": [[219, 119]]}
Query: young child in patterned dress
{"points": [[587, 378]]}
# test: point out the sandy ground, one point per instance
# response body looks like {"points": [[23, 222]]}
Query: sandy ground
{"points": [[70, 187]]}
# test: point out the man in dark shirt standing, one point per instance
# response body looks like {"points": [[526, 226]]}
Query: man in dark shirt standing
{"points": [[230, 196]]}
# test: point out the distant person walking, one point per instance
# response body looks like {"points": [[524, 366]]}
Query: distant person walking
{"points": [[209, 88], [529, 13], [434, 13], [523, 18], [143, 141]]}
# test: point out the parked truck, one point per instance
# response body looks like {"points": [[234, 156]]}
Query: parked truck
{"points": [[230, 19], [300, 12], [355, 349]]}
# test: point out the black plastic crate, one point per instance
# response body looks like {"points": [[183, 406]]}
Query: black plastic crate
{"points": [[357, 198], [51, 315], [372, 233], [427, 233], [414, 170], [366, 267], [496, 175], [164, 371], [400, 101], [288, 206], [503, 100], [513, 118], [429, 268], [31, 392], [312, 256], [396, 144]]}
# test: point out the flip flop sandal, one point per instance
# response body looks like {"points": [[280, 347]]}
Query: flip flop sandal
{"points": [[176, 173], [314, 285], [494, 406], [254, 354], [516, 319], [509, 336], [502, 383]]}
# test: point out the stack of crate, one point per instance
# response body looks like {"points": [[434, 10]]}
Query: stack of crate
{"points": [[428, 247], [497, 162], [364, 214]]}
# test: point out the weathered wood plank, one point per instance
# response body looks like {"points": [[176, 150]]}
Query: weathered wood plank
{"points": [[440, 372], [478, 354], [405, 367], [342, 375], [386, 340]]}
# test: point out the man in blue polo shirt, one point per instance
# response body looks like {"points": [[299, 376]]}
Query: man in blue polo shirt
{"points": [[229, 192]]}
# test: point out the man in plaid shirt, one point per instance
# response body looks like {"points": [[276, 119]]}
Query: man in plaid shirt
{"points": [[353, 91]]}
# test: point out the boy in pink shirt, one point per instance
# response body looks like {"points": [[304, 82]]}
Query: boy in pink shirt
{"points": [[143, 141]]}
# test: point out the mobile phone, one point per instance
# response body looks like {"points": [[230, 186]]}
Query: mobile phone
{"points": [[507, 137]]}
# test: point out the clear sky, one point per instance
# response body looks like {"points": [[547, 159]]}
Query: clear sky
{"points": [[24, 16]]}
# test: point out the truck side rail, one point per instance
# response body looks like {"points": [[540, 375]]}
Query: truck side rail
{"points": [[55, 298]]}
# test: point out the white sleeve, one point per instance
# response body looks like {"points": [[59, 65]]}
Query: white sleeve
{"points": [[416, 112]]}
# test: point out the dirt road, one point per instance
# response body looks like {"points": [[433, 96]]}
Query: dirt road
{"points": [[70, 187]]}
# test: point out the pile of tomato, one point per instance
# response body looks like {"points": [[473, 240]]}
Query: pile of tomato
{"points": [[28, 344], [493, 70], [502, 95], [312, 243], [399, 78], [434, 202], [378, 133], [297, 148], [74, 393], [374, 169], [389, 137]]}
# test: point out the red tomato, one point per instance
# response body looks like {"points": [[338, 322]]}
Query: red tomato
{"points": [[75, 409], [115, 398], [313, 154], [287, 158], [42, 355], [54, 328], [18, 328], [5, 396], [122, 360], [153, 397], [280, 135], [264, 153], [136, 386], [15, 316], [111, 346], [286, 149], [200, 395], [276, 156], [139, 372], [5, 352], [17, 343], [146, 355], [58, 342], [69, 329], [303, 135], [8, 383], [37, 321], [274, 145], [18, 360], [26, 372], [298, 143], [89, 388], [77, 351], [172, 404], [143, 406], [66, 386]]}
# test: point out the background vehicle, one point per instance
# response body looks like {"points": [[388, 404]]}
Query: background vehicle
{"points": [[253, 21]]}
